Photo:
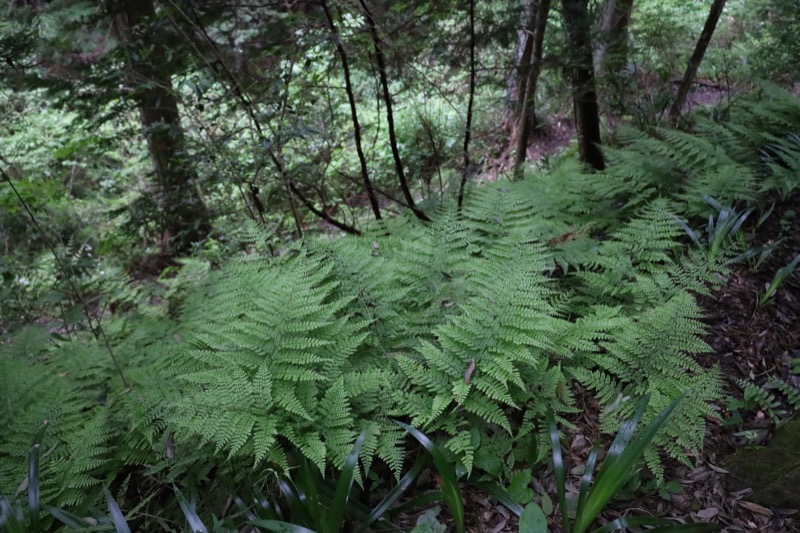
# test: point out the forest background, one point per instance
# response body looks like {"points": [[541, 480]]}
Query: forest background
{"points": [[338, 213]]}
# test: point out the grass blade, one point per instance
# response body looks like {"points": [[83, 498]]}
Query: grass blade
{"points": [[308, 485], [586, 479], [623, 437], [116, 514], [11, 517], [420, 501], [280, 527], [447, 474], [689, 231], [33, 487], [500, 494], [344, 486], [189, 512], [68, 519], [297, 510], [394, 494], [559, 469]]}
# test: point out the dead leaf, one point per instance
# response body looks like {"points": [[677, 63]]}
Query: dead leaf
{"points": [[755, 508], [708, 514], [499, 527], [468, 372], [718, 469]]}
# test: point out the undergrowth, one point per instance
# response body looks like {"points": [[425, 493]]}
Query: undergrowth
{"points": [[470, 328]]}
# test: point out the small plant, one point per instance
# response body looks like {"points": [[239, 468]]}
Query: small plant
{"points": [[448, 477], [621, 459], [777, 280], [720, 230]]}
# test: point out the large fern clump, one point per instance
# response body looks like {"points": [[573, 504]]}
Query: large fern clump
{"points": [[274, 367]]}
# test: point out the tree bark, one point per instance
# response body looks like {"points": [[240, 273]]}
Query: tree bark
{"points": [[184, 217], [527, 115], [694, 62], [584, 92], [377, 43]]}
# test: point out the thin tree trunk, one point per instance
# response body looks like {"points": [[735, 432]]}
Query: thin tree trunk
{"points": [[373, 200], [584, 92], [528, 108], [372, 27], [694, 62], [185, 219], [468, 127]]}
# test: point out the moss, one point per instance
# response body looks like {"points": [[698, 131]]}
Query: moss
{"points": [[773, 471]]}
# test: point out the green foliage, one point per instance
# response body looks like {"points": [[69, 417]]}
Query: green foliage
{"points": [[450, 490], [621, 458], [769, 27]]}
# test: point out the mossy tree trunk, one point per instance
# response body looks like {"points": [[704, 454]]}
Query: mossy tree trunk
{"points": [[183, 218], [584, 92], [526, 119], [612, 54], [515, 84]]}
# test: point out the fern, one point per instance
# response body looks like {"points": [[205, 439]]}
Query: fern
{"points": [[40, 386], [759, 397], [790, 392]]}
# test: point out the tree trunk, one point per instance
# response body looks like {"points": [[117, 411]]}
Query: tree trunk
{"points": [[372, 27], [584, 93], [470, 104], [515, 86], [373, 199], [526, 119], [184, 217], [612, 55], [694, 62]]}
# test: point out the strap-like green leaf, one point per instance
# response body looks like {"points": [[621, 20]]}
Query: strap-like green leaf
{"points": [[190, 512], [33, 487], [447, 473], [500, 494], [623, 456], [586, 479], [559, 469], [344, 486], [394, 494], [116, 514], [68, 519], [281, 527]]}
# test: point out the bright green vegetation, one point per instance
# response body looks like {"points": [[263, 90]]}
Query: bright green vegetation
{"points": [[237, 290]]}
